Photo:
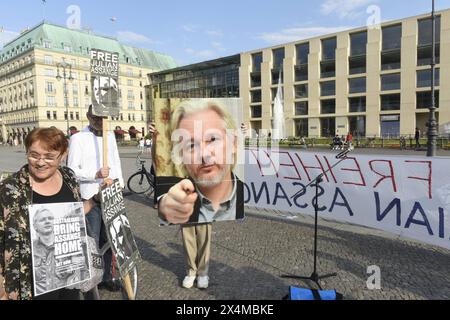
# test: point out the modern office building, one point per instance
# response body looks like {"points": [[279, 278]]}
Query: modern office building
{"points": [[210, 79], [34, 93], [373, 81]]}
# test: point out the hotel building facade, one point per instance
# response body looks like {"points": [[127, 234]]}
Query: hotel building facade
{"points": [[32, 95]]}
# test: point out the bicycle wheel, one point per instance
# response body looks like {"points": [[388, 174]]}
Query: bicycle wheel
{"points": [[139, 183], [133, 275]]}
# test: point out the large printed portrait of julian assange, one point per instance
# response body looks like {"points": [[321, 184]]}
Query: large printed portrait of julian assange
{"points": [[206, 152]]}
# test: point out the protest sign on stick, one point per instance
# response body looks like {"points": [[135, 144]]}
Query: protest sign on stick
{"points": [[104, 83], [118, 229]]}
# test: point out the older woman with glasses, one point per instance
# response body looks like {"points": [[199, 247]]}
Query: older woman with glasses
{"points": [[42, 180]]}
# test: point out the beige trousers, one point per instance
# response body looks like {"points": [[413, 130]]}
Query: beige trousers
{"points": [[197, 247]]}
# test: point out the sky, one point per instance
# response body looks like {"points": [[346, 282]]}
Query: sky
{"points": [[200, 30]]}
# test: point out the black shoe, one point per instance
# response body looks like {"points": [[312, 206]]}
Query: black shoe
{"points": [[111, 285]]}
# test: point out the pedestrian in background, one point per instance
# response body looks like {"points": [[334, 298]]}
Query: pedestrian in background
{"points": [[417, 137]]}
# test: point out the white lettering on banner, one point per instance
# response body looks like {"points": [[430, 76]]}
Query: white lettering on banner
{"points": [[407, 196]]}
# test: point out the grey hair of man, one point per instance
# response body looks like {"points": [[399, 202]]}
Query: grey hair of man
{"points": [[193, 106]]}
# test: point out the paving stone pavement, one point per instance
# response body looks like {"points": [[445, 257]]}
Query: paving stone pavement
{"points": [[248, 258]]}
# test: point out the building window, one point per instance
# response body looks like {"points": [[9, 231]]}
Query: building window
{"points": [[424, 78], [257, 59], [301, 68], [357, 126], [391, 60], [391, 54], [255, 80], [49, 115], [425, 53], [47, 44], [130, 105], [390, 126], [278, 58], [130, 83], [301, 127], [75, 101], [390, 102], [327, 127], [357, 85], [67, 48], [50, 101], [301, 72], [77, 115], [48, 60], [71, 116], [49, 72], [357, 104], [301, 108], [256, 96], [276, 76], [328, 63], [65, 115], [130, 95], [392, 37], [274, 93], [256, 111], [50, 88], [301, 91], [424, 99], [302, 51], [357, 65], [327, 69], [329, 49], [390, 81], [328, 88], [55, 115], [425, 41], [358, 44], [328, 106]]}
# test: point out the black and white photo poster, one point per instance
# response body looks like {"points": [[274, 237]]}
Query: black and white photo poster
{"points": [[104, 83], [59, 246], [118, 228]]}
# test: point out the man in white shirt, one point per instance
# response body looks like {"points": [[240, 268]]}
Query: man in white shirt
{"points": [[86, 160]]}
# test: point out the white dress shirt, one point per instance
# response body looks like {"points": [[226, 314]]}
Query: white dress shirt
{"points": [[86, 159]]}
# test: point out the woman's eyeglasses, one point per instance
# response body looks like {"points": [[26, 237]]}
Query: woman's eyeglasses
{"points": [[47, 159]]}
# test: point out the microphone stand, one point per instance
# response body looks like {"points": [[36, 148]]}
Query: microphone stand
{"points": [[314, 277]]}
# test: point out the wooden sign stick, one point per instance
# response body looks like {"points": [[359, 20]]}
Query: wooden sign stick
{"points": [[126, 279]]}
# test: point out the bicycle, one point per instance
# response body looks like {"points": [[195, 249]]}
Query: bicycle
{"points": [[402, 143], [142, 181]]}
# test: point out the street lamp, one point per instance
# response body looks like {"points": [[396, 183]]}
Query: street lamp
{"points": [[432, 122], [64, 65]]}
